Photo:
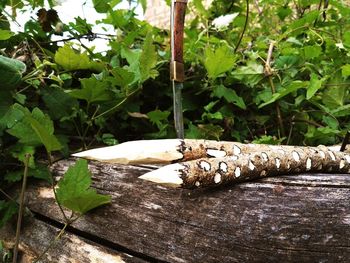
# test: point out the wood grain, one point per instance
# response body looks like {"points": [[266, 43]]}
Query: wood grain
{"points": [[298, 218]]}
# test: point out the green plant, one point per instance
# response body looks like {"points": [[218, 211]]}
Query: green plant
{"points": [[275, 72]]}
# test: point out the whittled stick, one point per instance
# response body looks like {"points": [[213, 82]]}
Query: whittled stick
{"points": [[211, 172], [174, 150]]}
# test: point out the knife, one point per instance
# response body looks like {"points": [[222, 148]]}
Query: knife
{"points": [[177, 72]]}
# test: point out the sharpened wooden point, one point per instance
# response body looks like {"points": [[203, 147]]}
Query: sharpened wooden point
{"points": [[137, 152], [168, 175]]}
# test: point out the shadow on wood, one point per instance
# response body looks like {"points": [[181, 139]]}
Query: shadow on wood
{"points": [[297, 218]]}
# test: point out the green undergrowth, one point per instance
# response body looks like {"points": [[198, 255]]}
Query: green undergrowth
{"points": [[57, 97]]}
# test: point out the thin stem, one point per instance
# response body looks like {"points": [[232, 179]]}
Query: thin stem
{"points": [[244, 28], [21, 206], [268, 72], [52, 242]]}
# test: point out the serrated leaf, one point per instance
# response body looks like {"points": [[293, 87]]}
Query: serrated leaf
{"points": [[74, 190], [314, 85], [229, 95], [311, 52], [11, 71], [122, 77], [294, 86], [56, 98], [92, 90], [334, 97], [219, 61], [34, 129], [71, 60], [48, 139], [251, 74], [157, 117], [148, 59]]}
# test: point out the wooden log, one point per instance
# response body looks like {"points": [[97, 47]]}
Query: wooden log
{"points": [[297, 218], [37, 235]]}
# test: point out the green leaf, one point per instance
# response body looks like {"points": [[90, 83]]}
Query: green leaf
{"points": [[294, 86], [74, 190], [7, 211], [5, 34], [334, 97], [34, 128], [122, 77], [345, 70], [158, 117], [251, 74], [198, 4], [11, 71], [101, 6], [314, 85], [219, 61], [229, 95], [56, 98], [48, 139], [148, 59], [311, 52], [72, 60], [93, 90]]}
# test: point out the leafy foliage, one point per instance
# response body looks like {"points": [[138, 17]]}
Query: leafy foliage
{"points": [[61, 96], [74, 190]]}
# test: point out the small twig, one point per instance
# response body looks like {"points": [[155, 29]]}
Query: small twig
{"points": [[244, 28], [269, 74], [7, 196], [256, 2], [21, 206], [345, 141]]}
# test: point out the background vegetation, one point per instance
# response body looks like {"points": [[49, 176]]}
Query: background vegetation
{"points": [[58, 96]]}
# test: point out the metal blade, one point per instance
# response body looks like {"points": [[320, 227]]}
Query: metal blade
{"points": [[178, 115]]}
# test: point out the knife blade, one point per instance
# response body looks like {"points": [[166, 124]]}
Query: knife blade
{"points": [[177, 72]]}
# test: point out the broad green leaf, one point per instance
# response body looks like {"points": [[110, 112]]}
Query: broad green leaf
{"points": [[148, 59], [285, 62], [314, 85], [335, 96], [283, 12], [93, 90], [311, 52], [74, 190], [34, 129], [157, 117], [229, 95], [101, 6], [345, 70], [219, 61], [251, 74], [294, 86], [56, 98], [48, 139], [307, 19], [5, 106], [5, 34], [122, 77], [7, 211], [132, 56], [71, 60], [11, 71], [19, 152]]}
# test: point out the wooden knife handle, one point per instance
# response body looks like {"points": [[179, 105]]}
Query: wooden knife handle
{"points": [[178, 21]]}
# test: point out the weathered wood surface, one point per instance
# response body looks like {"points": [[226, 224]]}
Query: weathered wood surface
{"points": [[304, 218], [37, 235]]}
